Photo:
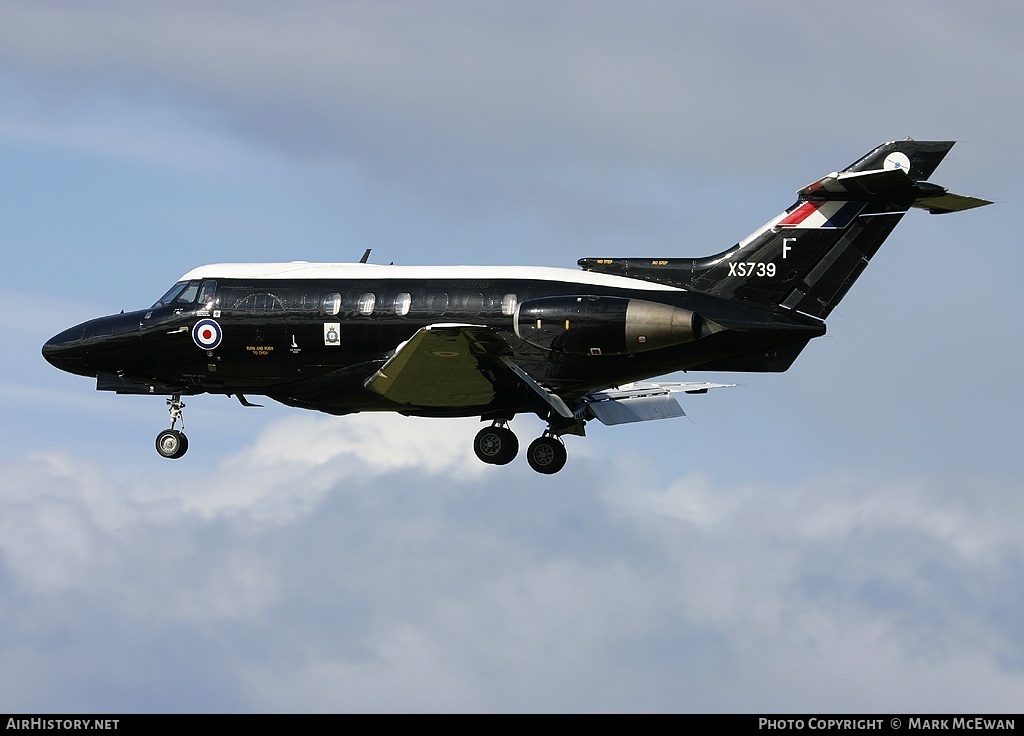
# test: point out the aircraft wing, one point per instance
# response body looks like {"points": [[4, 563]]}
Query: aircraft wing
{"points": [[442, 365], [450, 365]]}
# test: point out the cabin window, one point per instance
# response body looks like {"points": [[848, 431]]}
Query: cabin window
{"points": [[508, 304], [474, 303], [308, 301], [439, 303], [402, 303], [332, 304], [260, 302], [366, 303]]}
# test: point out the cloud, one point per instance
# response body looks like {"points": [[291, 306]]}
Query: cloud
{"points": [[402, 88], [296, 461], [367, 565], [499, 133]]}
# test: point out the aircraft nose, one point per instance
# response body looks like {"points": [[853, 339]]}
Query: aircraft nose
{"points": [[108, 344], [64, 350]]}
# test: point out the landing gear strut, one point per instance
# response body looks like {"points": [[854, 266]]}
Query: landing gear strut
{"points": [[172, 443], [496, 445]]}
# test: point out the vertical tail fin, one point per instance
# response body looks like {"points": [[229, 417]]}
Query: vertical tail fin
{"points": [[806, 258]]}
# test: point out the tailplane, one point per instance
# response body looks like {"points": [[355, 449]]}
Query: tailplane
{"points": [[806, 258]]}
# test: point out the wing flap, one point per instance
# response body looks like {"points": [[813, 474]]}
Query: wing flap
{"points": [[642, 402], [638, 409]]}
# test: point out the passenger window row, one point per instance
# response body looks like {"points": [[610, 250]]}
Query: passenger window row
{"points": [[278, 297], [439, 303]]}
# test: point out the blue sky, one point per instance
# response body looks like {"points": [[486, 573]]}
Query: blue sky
{"points": [[841, 537]]}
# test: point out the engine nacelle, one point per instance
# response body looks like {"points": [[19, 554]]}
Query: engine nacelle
{"points": [[604, 325]]}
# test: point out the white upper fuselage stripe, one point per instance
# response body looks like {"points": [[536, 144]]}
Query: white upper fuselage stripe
{"points": [[365, 271]]}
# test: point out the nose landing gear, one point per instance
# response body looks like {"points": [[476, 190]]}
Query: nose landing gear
{"points": [[172, 443]]}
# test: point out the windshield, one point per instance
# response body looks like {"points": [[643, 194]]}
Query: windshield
{"points": [[171, 294], [185, 292]]}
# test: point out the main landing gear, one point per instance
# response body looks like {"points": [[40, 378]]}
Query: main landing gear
{"points": [[172, 443], [497, 445], [546, 454]]}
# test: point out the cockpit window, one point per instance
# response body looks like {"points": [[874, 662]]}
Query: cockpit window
{"points": [[171, 294], [189, 294], [206, 292]]}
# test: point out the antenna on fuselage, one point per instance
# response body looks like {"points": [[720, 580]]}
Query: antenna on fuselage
{"points": [[366, 255]]}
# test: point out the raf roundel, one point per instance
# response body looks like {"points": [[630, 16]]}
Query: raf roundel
{"points": [[207, 334]]}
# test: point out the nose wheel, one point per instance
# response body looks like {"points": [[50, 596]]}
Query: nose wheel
{"points": [[172, 443]]}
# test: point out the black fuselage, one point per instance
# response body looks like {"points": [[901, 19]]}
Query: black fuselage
{"points": [[313, 342]]}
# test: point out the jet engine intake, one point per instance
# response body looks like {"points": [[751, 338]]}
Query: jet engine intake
{"points": [[604, 325]]}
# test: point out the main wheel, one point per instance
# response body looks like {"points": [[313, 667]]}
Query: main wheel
{"points": [[171, 444], [546, 455], [496, 445]]}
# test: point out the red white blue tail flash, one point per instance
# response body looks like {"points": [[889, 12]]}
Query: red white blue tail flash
{"points": [[822, 215]]}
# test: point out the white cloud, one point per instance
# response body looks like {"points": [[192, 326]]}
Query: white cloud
{"points": [[402, 87], [295, 461], [369, 565]]}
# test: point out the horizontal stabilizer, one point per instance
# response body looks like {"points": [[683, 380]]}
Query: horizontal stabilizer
{"points": [[892, 185], [861, 185], [946, 203]]}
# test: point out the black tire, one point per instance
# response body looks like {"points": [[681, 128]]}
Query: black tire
{"points": [[184, 446], [496, 445], [171, 444], [547, 455]]}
